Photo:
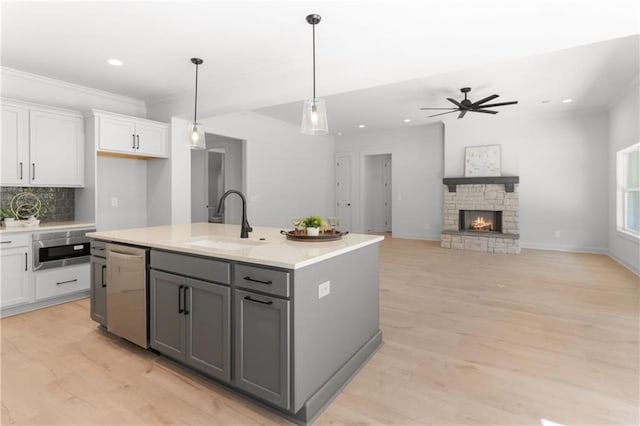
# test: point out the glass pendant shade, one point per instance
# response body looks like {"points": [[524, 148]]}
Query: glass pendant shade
{"points": [[195, 137], [314, 117]]}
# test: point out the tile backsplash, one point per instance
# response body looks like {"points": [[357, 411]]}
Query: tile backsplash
{"points": [[57, 203]]}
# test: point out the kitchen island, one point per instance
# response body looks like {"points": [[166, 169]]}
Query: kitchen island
{"points": [[286, 323]]}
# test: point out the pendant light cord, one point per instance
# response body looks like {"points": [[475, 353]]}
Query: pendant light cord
{"points": [[314, 61], [195, 108]]}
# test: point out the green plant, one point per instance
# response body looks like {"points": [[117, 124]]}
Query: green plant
{"points": [[6, 213], [312, 222]]}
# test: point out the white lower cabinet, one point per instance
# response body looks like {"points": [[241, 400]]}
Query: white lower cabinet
{"points": [[60, 281], [15, 276]]}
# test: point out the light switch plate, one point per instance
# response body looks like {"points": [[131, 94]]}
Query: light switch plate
{"points": [[324, 289]]}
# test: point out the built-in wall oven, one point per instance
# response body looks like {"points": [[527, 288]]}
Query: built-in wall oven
{"points": [[60, 248]]}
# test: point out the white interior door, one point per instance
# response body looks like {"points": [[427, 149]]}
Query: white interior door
{"points": [[343, 191], [386, 177]]}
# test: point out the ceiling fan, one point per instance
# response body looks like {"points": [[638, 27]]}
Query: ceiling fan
{"points": [[466, 105]]}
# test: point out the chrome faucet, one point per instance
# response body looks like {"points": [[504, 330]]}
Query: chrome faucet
{"points": [[245, 228]]}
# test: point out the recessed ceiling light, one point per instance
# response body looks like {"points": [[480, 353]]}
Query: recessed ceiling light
{"points": [[115, 62], [407, 120], [362, 126], [339, 133], [566, 101]]}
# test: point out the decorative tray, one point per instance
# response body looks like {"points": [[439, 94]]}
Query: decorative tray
{"points": [[301, 236]]}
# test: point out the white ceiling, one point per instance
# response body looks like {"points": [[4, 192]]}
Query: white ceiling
{"points": [[258, 53], [591, 76]]}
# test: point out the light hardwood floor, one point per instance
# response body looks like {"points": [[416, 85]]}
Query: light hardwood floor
{"points": [[470, 338]]}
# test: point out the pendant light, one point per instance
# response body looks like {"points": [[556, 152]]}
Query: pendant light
{"points": [[195, 138], [314, 111]]}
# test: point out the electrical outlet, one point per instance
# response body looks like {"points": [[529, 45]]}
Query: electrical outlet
{"points": [[114, 201], [324, 289]]}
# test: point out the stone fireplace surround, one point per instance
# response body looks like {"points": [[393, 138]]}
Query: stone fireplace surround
{"points": [[498, 193]]}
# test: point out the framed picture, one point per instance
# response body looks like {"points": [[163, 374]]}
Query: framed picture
{"points": [[482, 160]]}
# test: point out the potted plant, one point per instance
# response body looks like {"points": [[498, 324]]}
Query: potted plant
{"points": [[312, 224], [8, 217]]}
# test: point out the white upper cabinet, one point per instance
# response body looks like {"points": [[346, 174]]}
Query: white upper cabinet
{"points": [[15, 145], [41, 146], [130, 136], [56, 149]]}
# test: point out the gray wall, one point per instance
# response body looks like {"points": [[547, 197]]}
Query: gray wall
{"points": [[417, 155], [624, 130]]}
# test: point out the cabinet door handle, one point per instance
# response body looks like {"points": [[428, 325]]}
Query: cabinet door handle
{"points": [[186, 311], [258, 281], [104, 280], [26, 263], [21, 170], [137, 141], [180, 310], [67, 282], [6, 242], [133, 144], [33, 174], [250, 299]]}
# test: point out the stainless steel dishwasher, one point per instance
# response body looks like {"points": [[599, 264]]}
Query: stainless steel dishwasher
{"points": [[127, 309]]}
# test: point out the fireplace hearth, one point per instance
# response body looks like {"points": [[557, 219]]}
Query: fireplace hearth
{"points": [[481, 214]]}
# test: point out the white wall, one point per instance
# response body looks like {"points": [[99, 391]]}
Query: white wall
{"points": [[417, 156], [125, 180], [286, 173], [624, 130], [559, 158]]}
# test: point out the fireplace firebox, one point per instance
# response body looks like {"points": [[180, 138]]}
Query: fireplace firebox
{"points": [[481, 221]]}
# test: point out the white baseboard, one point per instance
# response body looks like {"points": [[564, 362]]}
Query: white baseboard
{"points": [[630, 267], [572, 249], [415, 236]]}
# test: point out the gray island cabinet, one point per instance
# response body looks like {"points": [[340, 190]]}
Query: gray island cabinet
{"points": [[285, 323]]}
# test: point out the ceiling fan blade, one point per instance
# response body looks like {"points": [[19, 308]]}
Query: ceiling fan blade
{"points": [[481, 101], [499, 104], [438, 108], [442, 113], [456, 103], [462, 113], [486, 111]]}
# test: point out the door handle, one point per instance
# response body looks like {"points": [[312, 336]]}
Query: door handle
{"points": [[186, 311], [6, 242], [33, 175], [21, 170], [67, 282], [133, 146], [250, 299], [137, 141], [258, 281], [180, 310], [104, 281], [26, 264]]}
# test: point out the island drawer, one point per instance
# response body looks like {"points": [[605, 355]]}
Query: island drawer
{"points": [[192, 266], [98, 248], [265, 280]]}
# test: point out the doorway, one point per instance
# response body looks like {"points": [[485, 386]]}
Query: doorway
{"points": [[377, 189], [215, 170]]}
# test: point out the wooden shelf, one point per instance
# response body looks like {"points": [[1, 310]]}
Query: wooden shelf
{"points": [[508, 181]]}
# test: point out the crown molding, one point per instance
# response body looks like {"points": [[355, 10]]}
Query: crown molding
{"points": [[5, 71]]}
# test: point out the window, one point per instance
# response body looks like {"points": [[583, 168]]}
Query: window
{"points": [[628, 179]]}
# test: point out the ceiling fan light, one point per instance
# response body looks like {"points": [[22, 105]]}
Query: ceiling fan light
{"points": [[195, 136], [314, 117]]}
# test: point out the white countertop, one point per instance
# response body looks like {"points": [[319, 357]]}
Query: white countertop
{"points": [[201, 239], [49, 226]]}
